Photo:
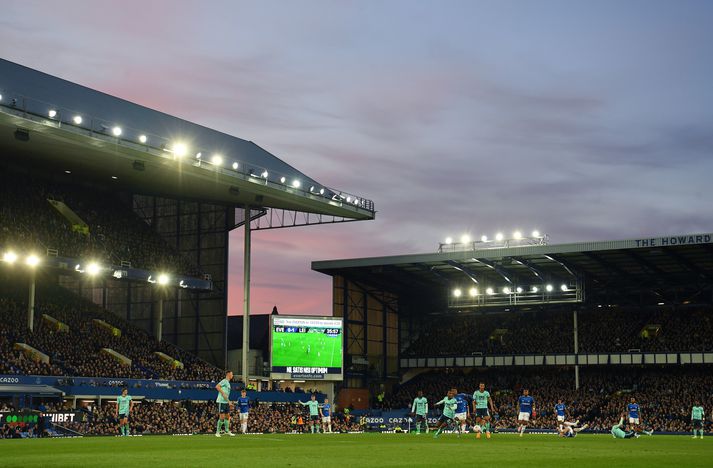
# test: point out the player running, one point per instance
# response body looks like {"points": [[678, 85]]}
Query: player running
{"points": [[570, 429], [419, 408], [618, 433], [481, 401], [326, 413], [449, 406], [697, 418], [462, 411], [527, 410], [313, 413], [223, 401], [124, 406], [560, 410], [244, 410]]}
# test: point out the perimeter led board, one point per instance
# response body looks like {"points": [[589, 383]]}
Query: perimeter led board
{"points": [[306, 348]]}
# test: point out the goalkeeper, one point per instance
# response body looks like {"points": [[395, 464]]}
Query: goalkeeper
{"points": [[618, 433], [449, 406]]}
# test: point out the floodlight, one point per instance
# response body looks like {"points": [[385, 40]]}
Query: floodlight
{"points": [[489, 291], [563, 287], [296, 183], [349, 199], [199, 155], [457, 292], [217, 160], [77, 119], [517, 235], [535, 233], [465, 238], [163, 279], [506, 290], [180, 149], [499, 236], [32, 260], [116, 131], [483, 238], [52, 113], [321, 191], [518, 290], [235, 166], [449, 240], [9, 257], [473, 292], [283, 179], [143, 138], [92, 269], [535, 289], [549, 288], [265, 174]]}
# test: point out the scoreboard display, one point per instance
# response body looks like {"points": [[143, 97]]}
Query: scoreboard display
{"points": [[306, 348]]}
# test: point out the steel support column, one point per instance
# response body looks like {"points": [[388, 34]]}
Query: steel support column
{"points": [[246, 296]]}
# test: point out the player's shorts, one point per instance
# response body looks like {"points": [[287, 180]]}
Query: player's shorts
{"points": [[633, 420], [327, 419], [223, 408], [560, 418], [523, 416], [460, 416], [482, 412], [420, 418], [444, 419], [243, 416], [697, 423], [123, 415], [314, 418]]}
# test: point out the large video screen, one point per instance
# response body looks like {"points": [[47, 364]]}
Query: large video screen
{"points": [[306, 348]]}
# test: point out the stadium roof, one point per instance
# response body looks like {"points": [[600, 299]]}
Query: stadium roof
{"points": [[53, 126], [654, 264]]}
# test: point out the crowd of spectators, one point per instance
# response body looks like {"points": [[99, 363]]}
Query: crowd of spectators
{"points": [[665, 394], [29, 222], [599, 330]]}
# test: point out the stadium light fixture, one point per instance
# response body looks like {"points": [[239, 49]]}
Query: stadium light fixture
{"points": [[143, 139], [179, 149], [321, 191], [311, 189], [489, 291], [535, 289], [52, 113], [217, 160], [93, 269], [549, 288], [483, 238], [77, 119], [499, 236], [235, 166], [296, 183], [32, 260], [465, 238], [199, 155], [564, 288], [457, 292], [535, 233], [506, 290], [518, 290], [264, 174], [473, 292], [0, 97], [283, 179], [349, 199], [9, 257], [163, 279], [517, 235], [116, 131], [449, 240]]}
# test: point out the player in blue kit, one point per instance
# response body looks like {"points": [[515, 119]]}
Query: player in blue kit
{"points": [[633, 410], [243, 409], [527, 410], [462, 411], [560, 410], [326, 412]]}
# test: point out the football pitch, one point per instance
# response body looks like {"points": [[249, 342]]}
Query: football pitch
{"points": [[358, 450], [306, 349]]}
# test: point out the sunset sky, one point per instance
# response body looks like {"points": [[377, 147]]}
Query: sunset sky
{"points": [[586, 120]]}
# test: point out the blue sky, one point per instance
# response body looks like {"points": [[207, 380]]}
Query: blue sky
{"points": [[586, 120]]}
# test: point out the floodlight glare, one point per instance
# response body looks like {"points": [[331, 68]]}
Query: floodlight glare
{"points": [[457, 292], [217, 160], [518, 290], [116, 131], [163, 279], [465, 239], [535, 289], [517, 235], [264, 174], [180, 149], [9, 257], [549, 288], [535, 233], [32, 260], [199, 155], [143, 138], [489, 291], [235, 166], [506, 290], [473, 292], [77, 119], [283, 179], [92, 269], [449, 240], [52, 113], [296, 183], [499, 236], [483, 238], [563, 287]]}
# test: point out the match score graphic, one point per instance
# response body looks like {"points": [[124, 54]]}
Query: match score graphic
{"points": [[306, 348]]}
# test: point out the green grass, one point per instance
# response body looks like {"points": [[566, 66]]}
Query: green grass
{"points": [[294, 353], [359, 450]]}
